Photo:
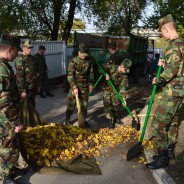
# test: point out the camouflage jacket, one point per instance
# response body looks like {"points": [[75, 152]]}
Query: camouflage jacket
{"points": [[26, 72], [111, 69], [9, 96], [119, 79], [173, 74], [116, 58], [80, 72], [41, 63]]}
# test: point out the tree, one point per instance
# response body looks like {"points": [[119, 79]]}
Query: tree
{"points": [[11, 13], [43, 17], [116, 16], [164, 7], [69, 22]]}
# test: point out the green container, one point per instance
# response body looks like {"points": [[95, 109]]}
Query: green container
{"points": [[137, 49], [99, 55]]}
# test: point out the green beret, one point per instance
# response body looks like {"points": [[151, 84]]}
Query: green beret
{"points": [[10, 40], [127, 63], [83, 48], [112, 45], [42, 47], [165, 20], [26, 43]]}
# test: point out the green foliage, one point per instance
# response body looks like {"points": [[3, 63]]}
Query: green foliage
{"points": [[37, 19], [164, 7], [117, 17], [78, 25], [11, 13]]}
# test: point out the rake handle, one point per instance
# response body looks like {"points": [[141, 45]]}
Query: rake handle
{"points": [[115, 90], [95, 84], [150, 105]]}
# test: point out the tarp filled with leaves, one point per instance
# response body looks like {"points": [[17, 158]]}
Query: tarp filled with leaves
{"points": [[28, 116], [45, 146]]}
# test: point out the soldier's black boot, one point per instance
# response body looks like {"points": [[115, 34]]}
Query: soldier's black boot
{"points": [[86, 124], [161, 161], [42, 94], [49, 94], [18, 172], [111, 124], [9, 180], [117, 120], [155, 157], [170, 152], [67, 120]]}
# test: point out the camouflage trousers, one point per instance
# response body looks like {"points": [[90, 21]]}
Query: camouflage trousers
{"points": [[9, 152], [123, 86], [83, 97], [166, 123], [111, 103], [44, 83]]}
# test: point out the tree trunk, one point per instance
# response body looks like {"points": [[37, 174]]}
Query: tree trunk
{"points": [[69, 23], [57, 14]]}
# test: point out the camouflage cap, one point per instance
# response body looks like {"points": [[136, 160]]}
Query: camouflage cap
{"points": [[42, 47], [83, 48], [165, 20], [26, 43], [127, 63], [10, 40], [112, 45]]}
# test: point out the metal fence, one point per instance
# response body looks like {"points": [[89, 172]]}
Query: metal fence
{"points": [[55, 55]]}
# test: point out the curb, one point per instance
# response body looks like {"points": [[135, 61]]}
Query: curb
{"points": [[160, 175]]}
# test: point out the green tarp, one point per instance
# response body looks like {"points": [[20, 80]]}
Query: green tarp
{"points": [[80, 164]]}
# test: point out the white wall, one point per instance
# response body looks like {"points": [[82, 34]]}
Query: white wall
{"points": [[55, 57]]}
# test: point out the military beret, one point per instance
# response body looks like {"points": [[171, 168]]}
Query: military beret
{"points": [[112, 45], [26, 43], [127, 63], [10, 40], [42, 47], [164, 20], [83, 48]]}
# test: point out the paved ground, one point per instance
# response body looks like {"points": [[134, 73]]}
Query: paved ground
{"points": [[115, 168]]}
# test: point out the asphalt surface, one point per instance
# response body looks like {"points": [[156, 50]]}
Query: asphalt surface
{"points": [[115, 169]]}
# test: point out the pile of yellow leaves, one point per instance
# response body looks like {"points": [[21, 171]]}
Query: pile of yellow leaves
{"points": [[56, 141]]}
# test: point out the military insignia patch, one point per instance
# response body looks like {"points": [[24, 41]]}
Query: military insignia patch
{"points": [[169, 51]]}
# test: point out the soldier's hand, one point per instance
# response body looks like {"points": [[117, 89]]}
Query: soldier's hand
{"points": [[122, 69], [75, 91], [154, 80], [19, 128], [161, 62], [90, 88], [107, 76], [125, 103], [23, 94]]}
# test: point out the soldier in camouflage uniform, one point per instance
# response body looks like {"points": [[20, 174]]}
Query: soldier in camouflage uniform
{"points": [[43, 72], [80, 77], [27, 73], [165, 122], [120, 80], [9, 102]]}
